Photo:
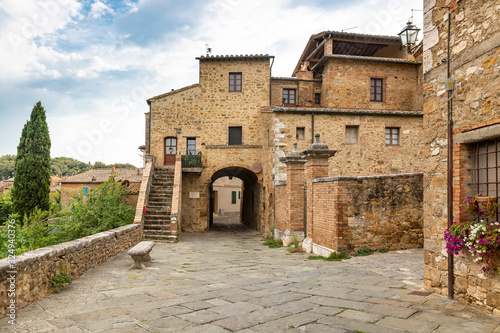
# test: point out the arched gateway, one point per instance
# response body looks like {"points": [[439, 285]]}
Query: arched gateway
{"points": [[250, 194]]}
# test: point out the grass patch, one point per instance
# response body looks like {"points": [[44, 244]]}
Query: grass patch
{"points": [[402, 287], [362, 252], [383, 250], [297, 249], [272, 243], [132, 277], [344, 308], [334, 256]]}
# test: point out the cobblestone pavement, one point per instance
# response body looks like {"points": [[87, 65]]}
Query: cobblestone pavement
{"points": [[227, 281]]}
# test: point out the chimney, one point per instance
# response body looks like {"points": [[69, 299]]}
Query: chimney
{"points": [[113, 168], [138, 172]]}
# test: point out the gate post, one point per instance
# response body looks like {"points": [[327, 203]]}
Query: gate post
{"points": [[317, 156]]}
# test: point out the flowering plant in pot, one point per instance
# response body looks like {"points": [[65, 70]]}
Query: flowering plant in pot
{"points": [[475, 233]]}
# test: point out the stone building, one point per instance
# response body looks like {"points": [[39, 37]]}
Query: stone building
{"points": [[461, 43], [91, 179], [362, 93]]}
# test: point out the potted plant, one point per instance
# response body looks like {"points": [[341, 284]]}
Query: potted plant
{"points": [[476, 232]]}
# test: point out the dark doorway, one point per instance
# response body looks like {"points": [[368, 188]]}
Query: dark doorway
{"points": [[170, 151], [248, 196]]}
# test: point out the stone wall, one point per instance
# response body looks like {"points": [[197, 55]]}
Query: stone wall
{"points": [[474, 48], [36, 268], [205, 111], [370, 156], [346, 84], [356, 212]]}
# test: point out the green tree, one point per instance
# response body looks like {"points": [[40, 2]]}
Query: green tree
{"points": [[7, 166], [32, 176]]}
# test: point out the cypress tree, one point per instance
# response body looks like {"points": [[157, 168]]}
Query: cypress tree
{"points": [[32, 177]]}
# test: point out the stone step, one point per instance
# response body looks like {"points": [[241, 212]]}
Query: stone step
{"points": [[157, 218], [157, 227], [160, 192], [168, 238]]}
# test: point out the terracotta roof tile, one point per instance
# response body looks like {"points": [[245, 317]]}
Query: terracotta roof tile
{"points": [[102, 175]]}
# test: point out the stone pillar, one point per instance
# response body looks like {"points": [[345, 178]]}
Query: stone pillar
{"points": [[317, 156], [295, 195]]}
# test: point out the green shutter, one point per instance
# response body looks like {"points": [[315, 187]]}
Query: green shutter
{"points": [[233, 197], [85, 191]]}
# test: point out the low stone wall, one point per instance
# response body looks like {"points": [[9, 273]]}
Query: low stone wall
{"points": [[34, 269], [350, 213]]}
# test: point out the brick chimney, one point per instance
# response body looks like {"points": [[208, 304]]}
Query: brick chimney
{"points": [[113, 168]]}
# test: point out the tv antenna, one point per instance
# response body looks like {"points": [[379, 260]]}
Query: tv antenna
{"points": [[209, 49], [348, 29]]}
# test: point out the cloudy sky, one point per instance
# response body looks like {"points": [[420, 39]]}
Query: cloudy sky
{"points": [[93, 63]]}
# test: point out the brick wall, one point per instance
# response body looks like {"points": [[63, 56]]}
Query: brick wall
{"points": [[474, 48], [374, 212], [36, 268], [281, 216]]}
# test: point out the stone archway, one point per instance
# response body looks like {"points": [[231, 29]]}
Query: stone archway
{"points": [[251, 188]]}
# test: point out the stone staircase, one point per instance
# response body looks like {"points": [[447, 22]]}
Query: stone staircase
{"points": [[157, 217]]}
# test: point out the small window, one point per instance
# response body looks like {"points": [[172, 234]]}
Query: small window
{"points": [[85, 190], [289, 96], [235, 134], [239, 194], [234, 81], [317, 98], [300, 133], [191, 146], [392, 136], [233, 197], [351, 134], [376, 90]]}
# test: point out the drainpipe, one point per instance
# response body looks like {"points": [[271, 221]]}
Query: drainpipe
{"points": [[270, 79], [451, 277], [149, 131]]}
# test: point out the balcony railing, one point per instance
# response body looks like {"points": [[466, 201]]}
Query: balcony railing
{"points": [[191, 161]]}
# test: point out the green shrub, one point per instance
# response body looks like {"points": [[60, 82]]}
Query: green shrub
{"points": [[383, 250], [362, 252], [334, 256], [273, 243], [102, 209]]}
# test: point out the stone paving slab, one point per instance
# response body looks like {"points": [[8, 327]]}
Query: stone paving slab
{"points": [[227, 281]]}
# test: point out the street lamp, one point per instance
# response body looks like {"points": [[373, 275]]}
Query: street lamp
{"points": [[409, 36]]}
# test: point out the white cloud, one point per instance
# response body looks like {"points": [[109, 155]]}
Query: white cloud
{"points": [[98, 9], [112, 78]]}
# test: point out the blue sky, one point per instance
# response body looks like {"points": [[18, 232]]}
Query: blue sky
{"points": [[93, 63]]}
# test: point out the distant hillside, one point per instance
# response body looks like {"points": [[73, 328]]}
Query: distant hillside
{"points": [[62, 166]]}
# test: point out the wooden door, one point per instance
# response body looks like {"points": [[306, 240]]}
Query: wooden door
{"points": [[170, 151]]}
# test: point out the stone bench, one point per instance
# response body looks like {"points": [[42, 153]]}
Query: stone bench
{"points": [[140, 254]]}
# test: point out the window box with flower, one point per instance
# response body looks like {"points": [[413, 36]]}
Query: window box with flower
{"points": [[476, 232]]}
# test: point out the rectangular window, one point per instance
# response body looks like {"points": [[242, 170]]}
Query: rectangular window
{"points": [[317, 98], [191, 146], [239, 194], [376, 90], [392, 136], [235, 134], [234, 82], [351, 134], [485, 168], [85, 190], [300, 133], [289, 96], [233, 197]]}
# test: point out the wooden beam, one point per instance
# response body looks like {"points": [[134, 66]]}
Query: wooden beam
{"points": [[316, 49]]}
